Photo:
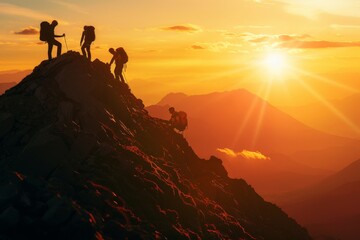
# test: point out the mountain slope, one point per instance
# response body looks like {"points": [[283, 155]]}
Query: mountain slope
{"points": [[342, 119], [240, 120], [81, 159], [330, 207]]}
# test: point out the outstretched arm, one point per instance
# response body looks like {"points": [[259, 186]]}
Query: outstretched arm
{"points": [[112, 60], [63, 35], [82, 37]]}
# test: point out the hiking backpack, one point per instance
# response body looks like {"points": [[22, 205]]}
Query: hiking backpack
{"points": [[182, 121], [90, 34], [123, 55], [45, 32]]}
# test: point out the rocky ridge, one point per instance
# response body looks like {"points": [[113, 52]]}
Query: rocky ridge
{"points": [[80, 158]]}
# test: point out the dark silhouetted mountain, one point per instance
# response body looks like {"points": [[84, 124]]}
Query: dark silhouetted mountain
{"points": [[330, 207], [81, 159], [342, 118], [240, 120]]}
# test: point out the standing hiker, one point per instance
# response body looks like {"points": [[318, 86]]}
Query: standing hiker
{"points": [[47, 34], [120, 57], [88, 36]]}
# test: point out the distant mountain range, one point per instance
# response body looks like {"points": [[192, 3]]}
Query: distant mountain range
{"points": [[330, 207], [287, 161], [341, 117], [13, 76], [240, 120], [9, 79]]}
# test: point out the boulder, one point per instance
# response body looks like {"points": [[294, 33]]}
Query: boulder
{"points": [[42, 155]]}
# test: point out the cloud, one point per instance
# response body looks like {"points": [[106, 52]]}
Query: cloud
{"points": [[71, 6], [317, 44], [218, 46], [269, 38], [183, 28], [244, 153], [28, 31], [312, 8], [10, 9], [197, 47], [293, 41], [339, 26]]}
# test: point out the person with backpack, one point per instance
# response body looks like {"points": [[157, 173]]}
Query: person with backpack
{"points": [[178, 120], [120, 57], [47, 34], [88, 36]]}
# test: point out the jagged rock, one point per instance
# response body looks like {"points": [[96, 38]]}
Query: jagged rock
{"points": [[6, 123], [59, 212], [83, 145], [92, 164], [9, 218], [66, 111], [44, 153], [8, 193]]}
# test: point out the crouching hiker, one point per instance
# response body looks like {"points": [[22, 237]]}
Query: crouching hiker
{"points": [[178, 119]]}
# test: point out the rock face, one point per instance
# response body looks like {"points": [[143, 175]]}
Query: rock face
{"points": [[80, 158]]}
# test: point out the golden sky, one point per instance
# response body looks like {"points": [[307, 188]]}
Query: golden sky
{"points": [[304, 49]]}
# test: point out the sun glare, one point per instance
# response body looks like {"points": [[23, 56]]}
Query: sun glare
{"points": [[275, 63]]}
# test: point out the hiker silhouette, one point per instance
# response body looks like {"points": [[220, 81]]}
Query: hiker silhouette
{"points": [[120, 57], [178, 120], [47, 34], [88, 36]]}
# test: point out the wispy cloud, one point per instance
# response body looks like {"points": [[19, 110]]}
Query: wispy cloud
{"points": [[190, 28], [244, 154], [28, 31], [71, 6], [218, 46], [317, 44], [312, 8], [293, 41], [14, 10], [339, 26]]}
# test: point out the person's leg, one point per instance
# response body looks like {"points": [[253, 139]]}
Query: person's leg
{"points": [[88, 52], [83, 50], [120, 73], [50, 47], [117, 72], [58, 44]]}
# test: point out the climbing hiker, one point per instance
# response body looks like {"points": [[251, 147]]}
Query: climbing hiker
{"points": [[178, 120], [47, 35], [120, 57], [88, 36]]}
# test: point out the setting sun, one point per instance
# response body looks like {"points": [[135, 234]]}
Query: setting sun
{"points": [[275, 63]]}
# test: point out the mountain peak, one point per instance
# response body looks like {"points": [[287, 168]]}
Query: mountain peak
{"points": [[81, 159]]}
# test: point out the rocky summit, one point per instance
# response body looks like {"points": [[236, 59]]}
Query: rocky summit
{"points": [[80, 158]]}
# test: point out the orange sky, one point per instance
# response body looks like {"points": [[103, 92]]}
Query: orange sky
{"points": [[202, 46]]}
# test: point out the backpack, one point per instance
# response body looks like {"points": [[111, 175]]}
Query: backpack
{"points": [[123, 55], [182, 121], [45, 31], [90, 34]]}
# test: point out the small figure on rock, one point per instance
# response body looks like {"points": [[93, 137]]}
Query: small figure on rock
{"points": [[88, 36], [120, 57], [178, 120], [47, 34]]}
